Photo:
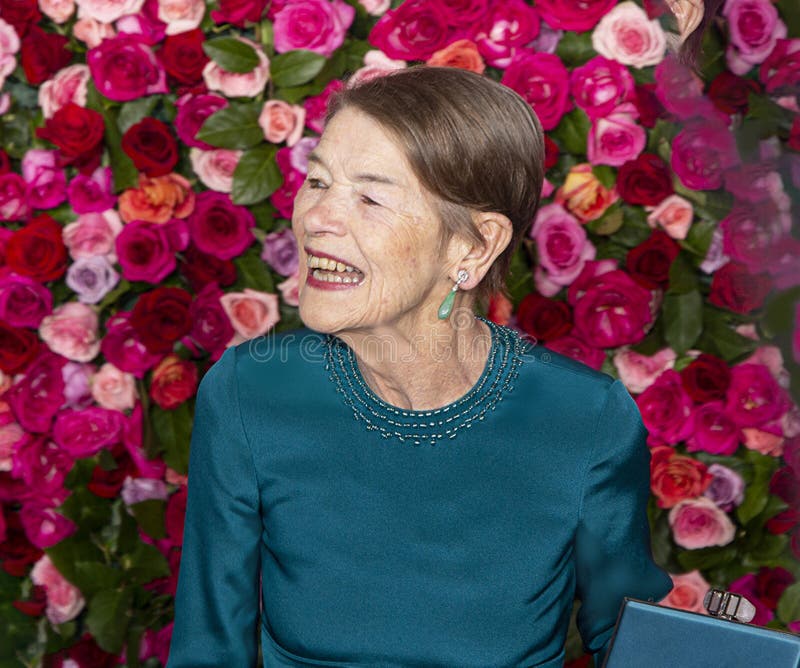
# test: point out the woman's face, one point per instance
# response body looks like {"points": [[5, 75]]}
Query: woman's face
{"points": [[362, 206]]}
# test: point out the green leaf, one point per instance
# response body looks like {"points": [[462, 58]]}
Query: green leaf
{"points": [[88, 511], [256, 176], [236, 126], [769, 548], [520, 278], [682, 276], [779, 313], [572, 131], [698, 238], [108, 618], [173, 428], [253, 271], [132, 112], [93, 577], [575, 49], [145, 564], [150, 516], [707, 557], [295, 67], [757, 490], [789, 604], [72, 551], [791, 17], [123, 170], [683, 319], [721, 339], [231, 54]]}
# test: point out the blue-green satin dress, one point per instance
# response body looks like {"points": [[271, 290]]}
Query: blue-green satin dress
{"points": [[346, 532]]}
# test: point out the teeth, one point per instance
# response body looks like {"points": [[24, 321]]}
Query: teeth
{"points": [[327, 264], [322, 275]]}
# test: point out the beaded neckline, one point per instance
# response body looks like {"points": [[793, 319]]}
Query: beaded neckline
{"points": [[427, 426]]}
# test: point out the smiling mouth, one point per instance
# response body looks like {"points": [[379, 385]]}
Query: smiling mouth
{"points": [[332, 271]]}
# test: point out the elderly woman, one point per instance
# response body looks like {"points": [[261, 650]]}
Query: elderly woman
{"points": [[405, 483]]}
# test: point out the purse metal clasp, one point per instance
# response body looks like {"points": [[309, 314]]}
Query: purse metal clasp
{"points": [[727, 605]]}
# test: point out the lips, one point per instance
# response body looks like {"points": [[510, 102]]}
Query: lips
{"points": [[329, 271]]}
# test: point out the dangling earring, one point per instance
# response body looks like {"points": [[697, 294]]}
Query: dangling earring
{"points": [[447, 304]]}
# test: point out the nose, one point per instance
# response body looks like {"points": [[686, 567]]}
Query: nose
{"points": [[327, 215]]}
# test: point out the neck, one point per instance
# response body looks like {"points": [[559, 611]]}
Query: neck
{"points": [[423, 366]]}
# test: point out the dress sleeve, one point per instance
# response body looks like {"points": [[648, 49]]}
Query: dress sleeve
{"points": [[217, 600], [612, 544]]}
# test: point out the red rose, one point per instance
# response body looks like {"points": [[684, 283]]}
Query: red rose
{"points": [[35, 605], [706, 378], [183, 57], [650, 261], [544, 319], [20, 13], [200, 268], [84, 653], [675, 477], [161, 317], [794, 134], [176, 510], [17, 553], [734, 288], [5, 164], [551, 152], [37, 250], [107, 484], [18, 347], [174, 381], [239, 12], [43, 54], [151, 147], [645, 180], [729, 92], [771, 583], [647, 104], [78, 133]]}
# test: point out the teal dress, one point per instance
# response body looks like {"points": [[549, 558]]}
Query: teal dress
{"points": [[345, 531]]}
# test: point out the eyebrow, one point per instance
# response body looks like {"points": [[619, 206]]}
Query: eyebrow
{"points": [[371, 178]]}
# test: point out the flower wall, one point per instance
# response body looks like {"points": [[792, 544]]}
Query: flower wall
{"points": [[151, 152]]}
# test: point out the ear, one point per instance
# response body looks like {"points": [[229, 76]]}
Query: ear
{"points": [[496, 231], [689, 14]]}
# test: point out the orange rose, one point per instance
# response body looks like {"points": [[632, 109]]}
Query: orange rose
{"points": [[174, 381], [462, 54], [688, 591], [157, 199], [584, 195], [675, 477]]}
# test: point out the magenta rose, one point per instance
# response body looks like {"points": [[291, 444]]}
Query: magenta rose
{"points": [[43, 466], [36, 398], [750, 232], [754, 27], [43, 526], [23, 301], [763, 590], [796, 335], [576, 15], [283, 198], [600, 86], [413, 31], [780, 72], [714, 431], [617, 138], [47, 183], [316, 106], [219, 227], [92, 193], [211, 327], [543, 81], [313, 25], [665, 409], [698, 523], [13, 197], [507, 28], [680, 90], [132, 440], [702, 152], [146, 251], [83, 433], [754, 397], [563, 248], [122, 347], [193, 110], [125, 68]]}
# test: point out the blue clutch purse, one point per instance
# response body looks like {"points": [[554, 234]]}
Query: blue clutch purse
{"points": [[648, 635]]}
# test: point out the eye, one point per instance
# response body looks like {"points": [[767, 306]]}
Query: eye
{"points": [[315, 184], [369, 202]]}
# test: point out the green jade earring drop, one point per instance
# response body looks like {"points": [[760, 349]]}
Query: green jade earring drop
{"points": [[447, 304]]}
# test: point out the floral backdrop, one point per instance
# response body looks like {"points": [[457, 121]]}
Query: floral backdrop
{"points": [[151, 150]]}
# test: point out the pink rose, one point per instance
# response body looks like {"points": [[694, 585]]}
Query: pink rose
{"points": [[57, 11], [92, 193], [638, 372], [125, 68], [543, 81], [252, 313], [701, 153], [9, 46], [765, 442], [146, 251], [281, 121], [754, 27], [215, 168], [577, 15], [674, 214], [93, 234], [698, 523], [92, 32], [666, 407], [76, 384], [10, 434], [23, 301], [290, 289], [136, 490], [64, 600], [754, 397], [616, 138], [36, 398], [84, 432], [563, 248], [67, 85], [114, 389], [107, 11], [144, 24], [375, 7], [414, 30], [680, 90], [688, 592], [71, 331], [298, 156], [628, 36], [314, 25], [123, 349], [316, 106], [713, 430], [233, 84], [181, 15], [13, 197], [47, 183], [507, 28], [43, 526], [376, 64], [600, 86], [193, 110]]}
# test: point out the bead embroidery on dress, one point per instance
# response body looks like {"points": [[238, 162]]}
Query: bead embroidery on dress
{"points": [[429, 426]]}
